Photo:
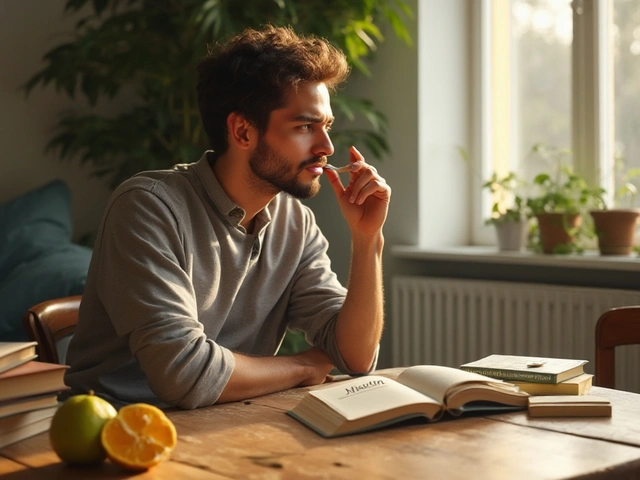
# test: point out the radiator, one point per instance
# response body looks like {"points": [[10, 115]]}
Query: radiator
{"points": [[451, 322]]}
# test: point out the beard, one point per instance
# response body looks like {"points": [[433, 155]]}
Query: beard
{"points": [[273, 173]]}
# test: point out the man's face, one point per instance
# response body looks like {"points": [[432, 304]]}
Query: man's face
{"points": [[290, 154]]}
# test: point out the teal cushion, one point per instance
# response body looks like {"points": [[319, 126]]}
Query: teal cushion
{"points": [[60, 272], [33, 224]]}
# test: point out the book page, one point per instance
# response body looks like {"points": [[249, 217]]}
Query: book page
{"points": [[368, 395], [437, 381]]}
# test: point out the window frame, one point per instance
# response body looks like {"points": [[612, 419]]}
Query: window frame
{"points": [[592, 110]]}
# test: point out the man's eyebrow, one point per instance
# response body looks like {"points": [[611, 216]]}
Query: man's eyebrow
{"points": [[312, 119]]}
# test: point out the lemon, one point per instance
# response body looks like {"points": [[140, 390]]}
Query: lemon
{"points": [[76, 428]]}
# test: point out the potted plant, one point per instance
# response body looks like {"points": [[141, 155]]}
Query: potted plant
{"points": [[509, 212], [561, 205], [615, 228]]}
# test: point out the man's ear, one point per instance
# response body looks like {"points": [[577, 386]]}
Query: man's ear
{"points": [[241, 131]]}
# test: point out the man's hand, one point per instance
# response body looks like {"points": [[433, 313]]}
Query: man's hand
{"points": [[365, 201], [255, 376], [318, 365]]}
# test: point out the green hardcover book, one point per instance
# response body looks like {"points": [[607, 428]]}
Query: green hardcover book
{"points": [[526, 369]]}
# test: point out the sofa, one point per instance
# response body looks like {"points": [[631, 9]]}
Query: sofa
{"points": [[38, 259]]}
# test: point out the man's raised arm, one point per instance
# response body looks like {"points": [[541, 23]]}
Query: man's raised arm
{"points": [[364, 204]]}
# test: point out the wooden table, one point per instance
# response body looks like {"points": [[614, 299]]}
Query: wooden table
{"points": [[256, 439]]}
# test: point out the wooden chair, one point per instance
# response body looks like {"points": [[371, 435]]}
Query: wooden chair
{"points": [[51, 323], [615, 327]]}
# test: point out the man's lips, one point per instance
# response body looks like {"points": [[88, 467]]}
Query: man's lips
{"points": [[315, 169], [315, 166]]}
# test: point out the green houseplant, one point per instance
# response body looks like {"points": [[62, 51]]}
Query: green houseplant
{"points": [[561, 203], [151, 48], [509, 211], [615, 227]]}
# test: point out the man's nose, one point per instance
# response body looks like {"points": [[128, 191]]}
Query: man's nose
{"points": [[323, 146]]}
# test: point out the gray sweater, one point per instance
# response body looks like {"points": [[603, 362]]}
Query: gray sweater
{"points": [[175, 284]]}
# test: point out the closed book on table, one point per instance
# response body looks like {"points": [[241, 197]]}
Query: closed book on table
{"points": [[25, 404], [569, 406], [574, 386], [526, 369], [21, 420], [25, 431], [13, 354], [32, 378]]}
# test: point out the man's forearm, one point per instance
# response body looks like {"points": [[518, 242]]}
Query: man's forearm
{"points": [[256, 376], [360, 322]]}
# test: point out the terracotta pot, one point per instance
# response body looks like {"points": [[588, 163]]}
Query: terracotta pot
{"points": [[616, 230], [556, 228], [512, 236]]}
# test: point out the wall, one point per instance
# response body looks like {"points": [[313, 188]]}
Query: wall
{"points": [[28, 29]]}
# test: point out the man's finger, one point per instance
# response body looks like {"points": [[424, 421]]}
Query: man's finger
{"points": [[355, 155], [336, 183]]}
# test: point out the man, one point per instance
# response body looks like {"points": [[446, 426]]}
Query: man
{"points": [[198, 271]]}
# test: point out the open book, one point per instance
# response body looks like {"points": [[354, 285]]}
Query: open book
{"points": [[373, 401]]}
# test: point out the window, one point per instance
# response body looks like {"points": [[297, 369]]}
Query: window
{"points": [[626, 86], [564, 73], [540, 37]]}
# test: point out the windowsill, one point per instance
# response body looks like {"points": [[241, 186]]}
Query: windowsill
{"points": [[589, 259]]}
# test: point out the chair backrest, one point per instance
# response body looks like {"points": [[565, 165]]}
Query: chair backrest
{"points": [[51, 322], [615, 327]]}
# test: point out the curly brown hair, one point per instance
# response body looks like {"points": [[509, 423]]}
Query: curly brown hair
{"points": [[252, 73]]}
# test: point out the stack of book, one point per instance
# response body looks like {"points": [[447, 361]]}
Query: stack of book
{"points": [[557, 385], [28, 392]]}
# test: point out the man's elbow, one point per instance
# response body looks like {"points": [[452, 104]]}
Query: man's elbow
{"points": [[188, 404], [189, 399], [361, 365]]}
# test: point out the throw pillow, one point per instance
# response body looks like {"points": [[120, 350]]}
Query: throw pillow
{"points": [[58, 273], [33, 223]]}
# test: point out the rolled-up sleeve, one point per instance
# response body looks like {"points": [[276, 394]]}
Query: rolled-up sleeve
{"points": [[144, 284]]}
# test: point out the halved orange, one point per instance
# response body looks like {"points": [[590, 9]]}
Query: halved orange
{"points": [[139, 437]]}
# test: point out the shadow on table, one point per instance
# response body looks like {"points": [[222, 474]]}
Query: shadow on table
{"points": [[61, 471]]}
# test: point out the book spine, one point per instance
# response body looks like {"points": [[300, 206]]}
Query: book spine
{"points": [[521, 376]]}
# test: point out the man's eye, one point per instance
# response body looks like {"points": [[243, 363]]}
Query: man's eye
{"points": [[305, 127]]}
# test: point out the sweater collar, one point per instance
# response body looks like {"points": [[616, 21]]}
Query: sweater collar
{"points": [[232, 211]]}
